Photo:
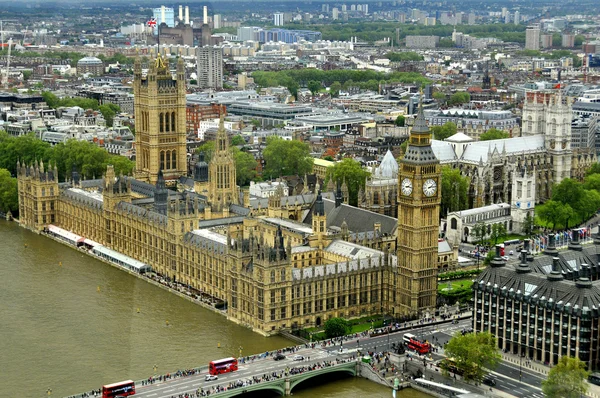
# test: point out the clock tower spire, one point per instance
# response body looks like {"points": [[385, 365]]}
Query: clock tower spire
{"points": [[418, 222]]}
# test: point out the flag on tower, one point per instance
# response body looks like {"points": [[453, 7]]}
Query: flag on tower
{"points": [[151, 23]]}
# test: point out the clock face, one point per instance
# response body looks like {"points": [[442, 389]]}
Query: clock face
{"points": [[406, 187], [429, 187]]}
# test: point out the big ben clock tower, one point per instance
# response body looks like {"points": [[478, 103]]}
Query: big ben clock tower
{"points": [[419, 179]]}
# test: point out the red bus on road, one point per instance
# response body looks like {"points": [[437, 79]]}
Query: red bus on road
{"points": [[120, 389], [222, 366], [418, 346]]}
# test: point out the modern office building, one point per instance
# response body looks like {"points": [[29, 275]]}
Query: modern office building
{"points": [[164, 15], [532, 37], [278, 19], [210, 67], [545, 307]]}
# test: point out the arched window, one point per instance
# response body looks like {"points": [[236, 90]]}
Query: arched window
{"points": [[167, 117], [174, 160], [173, 122], [168, 159], [529, 125], [162, 160], [453, 223], [553, 127], [161, 122]]}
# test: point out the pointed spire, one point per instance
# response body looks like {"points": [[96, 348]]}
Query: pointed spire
{"points": [[319, 205], [420, 125]]}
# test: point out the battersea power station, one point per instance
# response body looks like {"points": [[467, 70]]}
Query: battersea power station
{"points": [[276, 264]]}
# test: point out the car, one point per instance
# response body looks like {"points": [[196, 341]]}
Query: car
{"points": [[489, 381], [211, 377], [505, 258], [279, 357], [510, 253], [298, 358]]}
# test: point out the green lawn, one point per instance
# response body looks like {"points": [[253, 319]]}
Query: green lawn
{"points": [[457, 284]]}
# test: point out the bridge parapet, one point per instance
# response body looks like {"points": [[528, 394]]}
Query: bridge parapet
{"points": [[285, 384]]}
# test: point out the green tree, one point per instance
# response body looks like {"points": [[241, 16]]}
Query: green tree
{"points": [[570, 192], [245, 166], [26, 149], [9, 198], [404, 56], [493, 134], [498, 232], [293, 88], [88, 158], [283, 157], [50, 99], [350, 171], [336, 327], [27, 74], [439, 96], [334, 89], [108, 112], [473, 353], [566, 379], [589, 204], [592, 181], [479, 232], [595, 169], [208, 148], [400, 121], [238, 140], [461, 97], [455, 188], [314, 87], [448, 129], [554, 212], [528, 224], [121, 164]]}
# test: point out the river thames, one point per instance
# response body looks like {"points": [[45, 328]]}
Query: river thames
{"points": [[70, 323]]}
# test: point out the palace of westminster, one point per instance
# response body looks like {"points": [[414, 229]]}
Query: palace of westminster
{"points": [[280, 263]]}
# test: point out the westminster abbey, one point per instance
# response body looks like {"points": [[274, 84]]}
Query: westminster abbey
{"points": [[293, 263]]}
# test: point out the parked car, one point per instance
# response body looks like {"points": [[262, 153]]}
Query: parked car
{"points": [[298, 358], [279, 357], [211, 377]]}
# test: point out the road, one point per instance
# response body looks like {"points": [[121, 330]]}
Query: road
{"points": [[506, 375], [247, 371]]}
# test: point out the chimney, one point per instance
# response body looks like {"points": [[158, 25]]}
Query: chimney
{"points": [[497, 261], [584, 277], [556, 274], [523, 267], [574, 243], [187, 15], [205, 16], [551, 249], [180, 13], [163, 19]]}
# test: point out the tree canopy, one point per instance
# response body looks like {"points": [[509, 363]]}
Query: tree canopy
{"points": [[284, 157], [362, 78], [336, 327], [350, 171], [567, 379], [460, 97], [404, 56], [9, 198], [109, 111], [455, 188], [448, 129], [473, 353], [245, 166], [400, 121], [494, 134]]}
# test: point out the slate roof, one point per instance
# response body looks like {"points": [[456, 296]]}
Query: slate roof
{"points": [[358, 220], [142, 213], [533, 282], [89, 199], [220, 221]]}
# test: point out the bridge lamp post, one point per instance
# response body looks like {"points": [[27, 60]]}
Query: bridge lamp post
{"points": [[240, 351], [155, 369]]}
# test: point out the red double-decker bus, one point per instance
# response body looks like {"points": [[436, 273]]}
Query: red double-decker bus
{"points": [[120, 389], [419, 346], [222, 366]]}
